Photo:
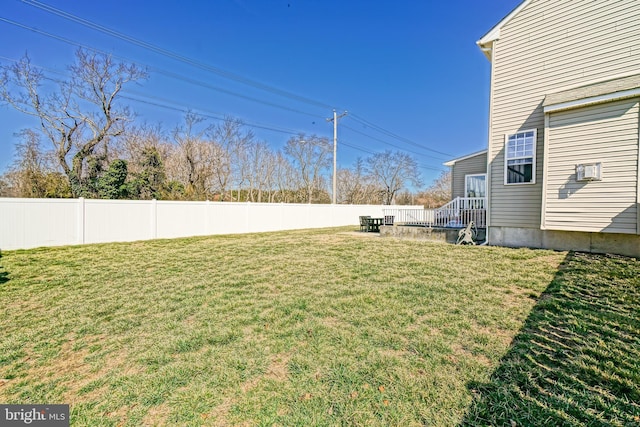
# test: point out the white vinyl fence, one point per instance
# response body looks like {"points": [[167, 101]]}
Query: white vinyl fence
{"points": [[30, 223]]}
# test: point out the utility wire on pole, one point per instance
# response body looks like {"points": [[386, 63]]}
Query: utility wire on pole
{"points": [[334, 198]]}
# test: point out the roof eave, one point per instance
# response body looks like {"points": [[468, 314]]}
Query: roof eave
{"points": [[486, 48], [486, 42], [468, 156], [491, 36]]}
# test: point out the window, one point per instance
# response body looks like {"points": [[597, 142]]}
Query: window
{"points": [[520, 158], [475, 185]]}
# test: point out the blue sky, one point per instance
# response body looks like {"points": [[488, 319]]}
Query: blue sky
{"points": [[408, 72]]}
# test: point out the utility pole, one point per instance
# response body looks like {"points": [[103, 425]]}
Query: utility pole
{"points": [[334, 198]]}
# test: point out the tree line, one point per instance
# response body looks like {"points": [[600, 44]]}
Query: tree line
{"points": [[88, 144]]}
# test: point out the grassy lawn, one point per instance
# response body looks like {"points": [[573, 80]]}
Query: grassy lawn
{"points": [[320, 327]]}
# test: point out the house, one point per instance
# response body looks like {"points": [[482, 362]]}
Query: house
{"points": [[468, 175], [563, 143], [468, 199]]}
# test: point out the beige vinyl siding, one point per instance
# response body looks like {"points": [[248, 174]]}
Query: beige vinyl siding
{"points": [[605, 133], [471, 166], [550, 46]]}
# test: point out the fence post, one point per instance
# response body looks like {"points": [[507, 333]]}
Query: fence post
{"points": [[247, 219], [81, 221], [281, 215], [207, 220], [154, 219]]}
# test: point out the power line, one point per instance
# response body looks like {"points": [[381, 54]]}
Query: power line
{"points": [[173, 55], [389, 143], [356, 147], [184, 109], [203, 113], [210, 68], [373, 153], [211, 115], [193, 81], [160, 70], [163, 103], [396, 136]]}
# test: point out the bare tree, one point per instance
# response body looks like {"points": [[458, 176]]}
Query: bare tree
{"points": [[355, 186], [5, 187], [223, 136], [230, 147], [438, 193], [391, 171], [221, 170], [260, 168], [81, 114], [27, 172], [269, 168], [196, 156], [33, 172], [310, 156], [285, 178], [405, 197], [137, 141]]}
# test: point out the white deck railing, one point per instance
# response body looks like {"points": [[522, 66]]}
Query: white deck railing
{"points": [[457, 213]]}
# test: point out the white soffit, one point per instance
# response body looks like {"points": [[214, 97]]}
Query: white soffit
{"points": [[487, 40]]}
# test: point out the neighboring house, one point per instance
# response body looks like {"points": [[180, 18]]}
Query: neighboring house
{"points": [[468, 175], [563, 149]]}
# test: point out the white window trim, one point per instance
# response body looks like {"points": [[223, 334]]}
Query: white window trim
{"points": [[475, 174], [533, 166]]}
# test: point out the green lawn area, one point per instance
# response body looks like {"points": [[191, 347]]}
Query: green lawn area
{"points": [[321, 327]]}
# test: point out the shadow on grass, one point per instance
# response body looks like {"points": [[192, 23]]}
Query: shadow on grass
{"points": [[4, 275], [576, 360]]}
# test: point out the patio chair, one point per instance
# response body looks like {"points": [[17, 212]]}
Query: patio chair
{"points": [[364, 223]]}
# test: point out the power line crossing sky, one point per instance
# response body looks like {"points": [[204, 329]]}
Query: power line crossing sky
{"points": [[408, 72]]}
